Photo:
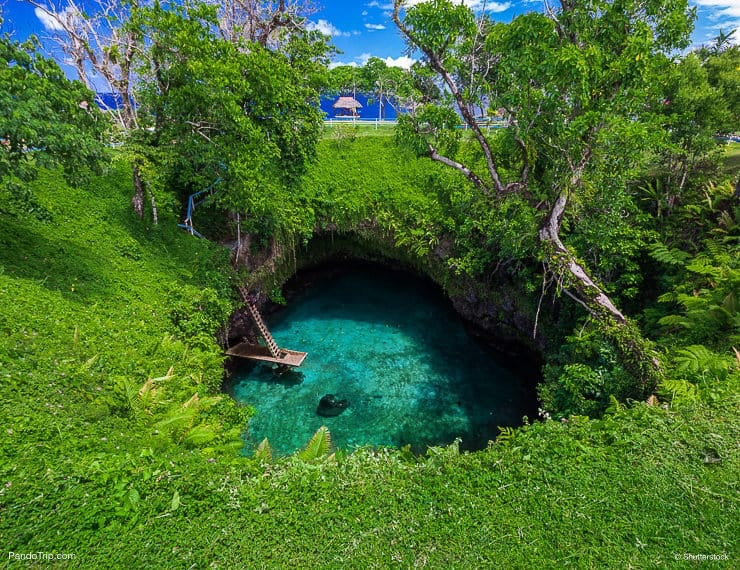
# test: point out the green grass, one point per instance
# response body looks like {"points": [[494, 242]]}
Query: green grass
{"points": [[732, 158], [348, 129], [95, 301]]}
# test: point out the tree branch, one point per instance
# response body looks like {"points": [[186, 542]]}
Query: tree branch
{"points": [[472, 176], [436, 63], [565, 264]]}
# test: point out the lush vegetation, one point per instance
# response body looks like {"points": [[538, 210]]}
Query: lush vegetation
{"points": [[94, 463], [42, 109], [117, 444], [105, 456]]}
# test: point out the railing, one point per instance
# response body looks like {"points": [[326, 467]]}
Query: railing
{"points": [[487, 124], [187, 225], [359, 121], [261, 326]]}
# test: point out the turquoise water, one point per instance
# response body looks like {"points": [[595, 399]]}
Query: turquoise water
{"points": [[390, 344]]}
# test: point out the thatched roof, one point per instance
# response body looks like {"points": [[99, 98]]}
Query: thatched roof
{"points": [[347, 103]]}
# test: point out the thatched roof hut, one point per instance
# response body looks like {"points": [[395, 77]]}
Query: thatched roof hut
{"points": [[347, 106]]}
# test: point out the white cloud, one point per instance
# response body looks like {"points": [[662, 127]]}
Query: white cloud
{"points": [[50, 23], [404, 62], [721, 8], [381, 5], [726, 14], [374, 27], [326, 28], [362, 58], [364, 12], [499, 6]]}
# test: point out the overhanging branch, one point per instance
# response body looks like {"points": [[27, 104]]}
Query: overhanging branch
{"points": [[472, 176], [436, 64]]}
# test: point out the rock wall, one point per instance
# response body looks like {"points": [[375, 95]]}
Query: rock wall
{"points": [[499, 311]]}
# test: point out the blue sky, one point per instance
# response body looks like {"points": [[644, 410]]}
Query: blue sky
{"points": [[361, 29]]}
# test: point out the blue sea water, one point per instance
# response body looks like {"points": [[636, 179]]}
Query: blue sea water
{"points": [[371, 108], [390, 344]]}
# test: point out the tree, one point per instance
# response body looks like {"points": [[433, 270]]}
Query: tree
{"points": [[722, 74], [346, 79], [114, 41], [389, 84], [264, 22], [694, 112], [722, 42], [573, 83], [105, 42], [238, 112], [700, 102], [45, 119], [100, 43]]}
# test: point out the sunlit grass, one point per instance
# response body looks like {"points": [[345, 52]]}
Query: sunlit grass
{"points": [[363, 129], [732, 158], [91, 297]]}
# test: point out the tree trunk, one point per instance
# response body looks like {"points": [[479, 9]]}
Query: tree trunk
{"points": [[636, 353], [438, 66], [138, 200], [153, 202], [469, 174]]}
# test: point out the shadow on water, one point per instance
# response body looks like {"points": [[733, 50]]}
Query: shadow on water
{"points": [[390, 343], [270, 374]]}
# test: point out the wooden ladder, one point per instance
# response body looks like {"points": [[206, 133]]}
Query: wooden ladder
{"points": [[261, 326]]}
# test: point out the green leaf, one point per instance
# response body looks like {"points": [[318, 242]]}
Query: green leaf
{"points": [[317, 447], [263, 453], [175, 503], [661, 253], [200, 435]]}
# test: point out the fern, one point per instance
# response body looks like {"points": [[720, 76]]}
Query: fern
{"points": [[177, 422], [88, 364], [707, 297], [193, 402], [660, 252], [675, 321], [207, 402], [506, 434], [703, 266], [147, 399], [128, 392], [317, 447], [668, 297], [201, 434], [700, 361], [692, 303], [141, 402], [615, 406], [167, 376], [680, 391]]}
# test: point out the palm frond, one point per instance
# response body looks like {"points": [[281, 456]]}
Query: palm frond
{"points": [[318, 446], [263, 453]]}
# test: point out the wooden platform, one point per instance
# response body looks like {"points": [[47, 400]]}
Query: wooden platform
{"points": [[262, 353]]}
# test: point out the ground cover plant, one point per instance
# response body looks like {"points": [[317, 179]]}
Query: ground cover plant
{"points": [[118, 447], [97, 463]]}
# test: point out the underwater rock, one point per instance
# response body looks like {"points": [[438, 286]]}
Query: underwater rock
{"points": [[330, 406]]}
